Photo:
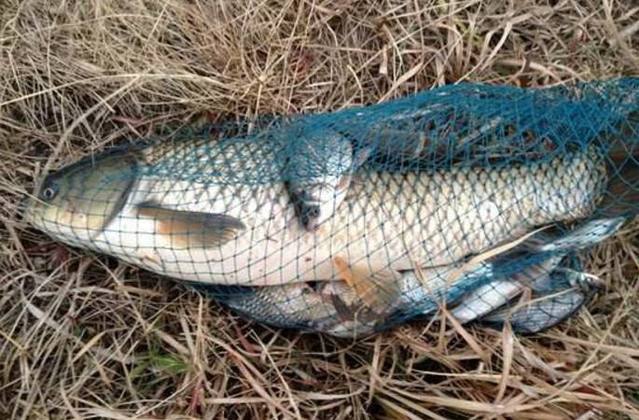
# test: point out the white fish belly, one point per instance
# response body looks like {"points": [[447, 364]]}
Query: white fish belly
{"points": [[273, 249]]}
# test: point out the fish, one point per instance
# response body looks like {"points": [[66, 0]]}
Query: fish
{"points": [[302, 306], [333, 307], [483, 293], [570, 290], [532, 266], [317, 171], [217, 211]]}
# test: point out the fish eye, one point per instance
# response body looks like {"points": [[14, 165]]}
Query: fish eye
{"points": [[49, 193]]}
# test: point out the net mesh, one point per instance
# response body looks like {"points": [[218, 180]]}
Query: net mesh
{"points": [[472, 197]]}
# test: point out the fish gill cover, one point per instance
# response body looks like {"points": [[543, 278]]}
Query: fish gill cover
{"points": [[475, 198]]}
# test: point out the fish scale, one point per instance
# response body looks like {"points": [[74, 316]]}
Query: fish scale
{"points": [[391, 219]]}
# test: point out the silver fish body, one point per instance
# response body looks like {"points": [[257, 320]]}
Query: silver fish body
{"points": [[533, 268], [333, 307], [297, 305], [546, 308], [389, 220], [485, 292]]}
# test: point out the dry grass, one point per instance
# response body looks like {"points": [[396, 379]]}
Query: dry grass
{"points": [[85, 336]]}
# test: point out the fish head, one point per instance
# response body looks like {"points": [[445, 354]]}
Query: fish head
{"points": [[319, 176], [77, 202], [317, 201]]}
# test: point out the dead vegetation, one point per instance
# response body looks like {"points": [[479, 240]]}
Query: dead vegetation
{"points": [[85, 336]]}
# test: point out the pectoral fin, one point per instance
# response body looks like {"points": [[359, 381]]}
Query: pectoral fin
{"points": [[377, 289], [186, 229]]}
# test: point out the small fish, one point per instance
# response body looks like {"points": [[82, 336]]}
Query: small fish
{"points": [[301, 306], [318, 171], [538, 258], [331, 307], [548, 307]]}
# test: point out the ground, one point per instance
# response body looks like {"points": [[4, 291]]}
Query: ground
{"points": [[82, 335]]}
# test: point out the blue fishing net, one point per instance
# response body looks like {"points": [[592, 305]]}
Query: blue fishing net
{"points": [[469, 202]]}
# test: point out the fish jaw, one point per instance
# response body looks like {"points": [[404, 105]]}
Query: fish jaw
{"points": [[63, 224]]}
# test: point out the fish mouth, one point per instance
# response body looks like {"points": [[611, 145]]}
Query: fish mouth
{"points": [[28, 206], [119, 168]]}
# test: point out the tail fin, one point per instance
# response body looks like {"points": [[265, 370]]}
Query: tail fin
{"points": [[622, 194]]}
